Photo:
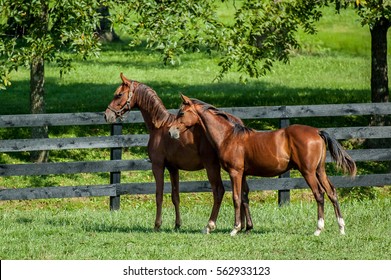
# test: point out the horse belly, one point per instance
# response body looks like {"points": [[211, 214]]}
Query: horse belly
{"points": [[184, 158], [266, 162], [188, 163], [266, 169]]}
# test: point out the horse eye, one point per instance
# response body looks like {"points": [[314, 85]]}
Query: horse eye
{"points": [[119, 95], [180, 114]]}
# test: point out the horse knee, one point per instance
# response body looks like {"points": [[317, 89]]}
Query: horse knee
{"points": [[319, 197]]}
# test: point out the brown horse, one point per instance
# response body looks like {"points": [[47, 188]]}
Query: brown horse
{"points": [[243, 151], [192, 152]]}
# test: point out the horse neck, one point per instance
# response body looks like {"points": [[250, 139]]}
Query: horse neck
{"points": [[152, 108], [215, 127]]}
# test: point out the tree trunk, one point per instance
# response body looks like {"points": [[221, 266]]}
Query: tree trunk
{"points": [[106, 33], [379, 77], [379, 74], [37, 104], [37, 80]]}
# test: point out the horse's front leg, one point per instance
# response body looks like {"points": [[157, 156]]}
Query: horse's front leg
{"points": [[158, 173], [174, 177], [246, 205], [214, 177], [236, 181]]}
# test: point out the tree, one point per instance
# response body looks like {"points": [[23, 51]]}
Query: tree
{"points": [[35, 32], [172, 26], [263, 31], [377, 15]]}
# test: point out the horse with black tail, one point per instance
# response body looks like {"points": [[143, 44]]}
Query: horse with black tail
{"points": [[243, 151]]}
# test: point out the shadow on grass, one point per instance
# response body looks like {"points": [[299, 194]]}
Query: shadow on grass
{"points": [[91, 226], [105, 227], [88, 97], [91, 97]]}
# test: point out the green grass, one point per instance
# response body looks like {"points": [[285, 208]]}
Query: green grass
{"points": [[331, 67], [279, 233]]}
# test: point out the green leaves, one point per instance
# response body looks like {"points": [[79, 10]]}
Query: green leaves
{"points": [[58, 31], [172, 27], [264, 32], [259, 34]]}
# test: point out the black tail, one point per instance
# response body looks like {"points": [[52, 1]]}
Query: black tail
{"points": [[338, 153]]}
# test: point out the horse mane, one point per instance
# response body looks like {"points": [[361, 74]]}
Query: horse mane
{"points": [[148, 99], [238, 126]]}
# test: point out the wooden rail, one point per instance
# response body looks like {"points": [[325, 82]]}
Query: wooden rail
{"points": [[114, 189]]}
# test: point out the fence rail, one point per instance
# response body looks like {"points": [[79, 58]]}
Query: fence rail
{"points": [[117, 141]]}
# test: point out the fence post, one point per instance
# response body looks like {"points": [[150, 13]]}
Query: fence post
{"points": [[284, 195], [115, 177]]}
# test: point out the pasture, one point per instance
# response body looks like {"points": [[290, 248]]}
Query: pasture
{"points": [[332, 67], [61, 230]]}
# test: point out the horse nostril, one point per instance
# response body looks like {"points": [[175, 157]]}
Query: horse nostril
{"points": [[109, 118]]}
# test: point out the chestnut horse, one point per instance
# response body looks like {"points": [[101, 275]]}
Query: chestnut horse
{"points": [[243, 151], [192, 152]]}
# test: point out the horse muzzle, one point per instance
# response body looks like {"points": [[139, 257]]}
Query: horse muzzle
{"points": [[110, 116], [174, 132]]}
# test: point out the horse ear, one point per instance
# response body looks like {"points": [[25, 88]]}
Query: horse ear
{"points": [[124, 79], [186, 100]]}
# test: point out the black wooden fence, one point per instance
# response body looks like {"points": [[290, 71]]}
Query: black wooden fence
{"points": [[114, 189]]}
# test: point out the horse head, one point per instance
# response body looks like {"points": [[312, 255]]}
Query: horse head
{"points": [[122, 101], [186, 118]]}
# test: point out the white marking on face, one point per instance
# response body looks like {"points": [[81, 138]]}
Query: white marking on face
{"points": [[174, 132]]}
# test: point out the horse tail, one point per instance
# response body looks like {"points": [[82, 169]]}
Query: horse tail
{"points": [[341, 157]]}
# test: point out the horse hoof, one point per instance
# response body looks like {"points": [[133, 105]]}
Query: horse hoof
{"points": [[248, 231], [235, 231], [317, 232], [211, 226]]}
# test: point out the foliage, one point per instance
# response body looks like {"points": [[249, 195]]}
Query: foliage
{"points": [[264, 32], [54, 30], [172, 27], [259, 33], [369, 11]]}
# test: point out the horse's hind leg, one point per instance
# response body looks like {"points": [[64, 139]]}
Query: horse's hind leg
{"points": [[174, 177], [318, 193], [236, 181], [332, 194]]}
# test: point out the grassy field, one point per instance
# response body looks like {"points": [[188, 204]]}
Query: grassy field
{"points": [[280, 233], [332, 67]]}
